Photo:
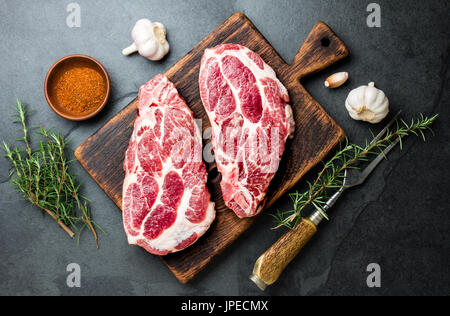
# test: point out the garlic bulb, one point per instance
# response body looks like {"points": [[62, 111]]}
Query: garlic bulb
{"points": [[367, 103], [149, 39]]}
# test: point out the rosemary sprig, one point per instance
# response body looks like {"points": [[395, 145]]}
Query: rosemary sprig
{"points": [[348, 156], [43, 177]]}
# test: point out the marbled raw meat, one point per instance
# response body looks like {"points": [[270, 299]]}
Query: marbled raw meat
{"points": [[166, 204], [251, 120]]}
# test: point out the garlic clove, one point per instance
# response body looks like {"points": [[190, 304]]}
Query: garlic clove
{"points": [[336, 80], [161, 52], [142, 31], [148, 48]]}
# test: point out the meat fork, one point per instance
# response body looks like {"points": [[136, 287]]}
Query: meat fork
{"points": [[271, 264]]}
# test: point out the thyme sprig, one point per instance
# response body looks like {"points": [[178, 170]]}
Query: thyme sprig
{"points": [[43, 177], [331, 176]]}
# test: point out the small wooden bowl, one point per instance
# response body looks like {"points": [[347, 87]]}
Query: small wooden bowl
{"points": [[56, 72]]}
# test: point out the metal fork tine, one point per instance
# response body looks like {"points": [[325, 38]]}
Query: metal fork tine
{"points": [[368, 170], [384, 130]]}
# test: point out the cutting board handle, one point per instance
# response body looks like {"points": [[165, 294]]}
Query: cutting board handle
{"points": [[321, 49]]}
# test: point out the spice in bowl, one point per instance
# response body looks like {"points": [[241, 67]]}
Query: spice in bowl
{"points": [[80, 89], [77, 87]]}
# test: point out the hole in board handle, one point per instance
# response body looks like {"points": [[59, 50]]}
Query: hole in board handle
{"points": [[325, 42]]}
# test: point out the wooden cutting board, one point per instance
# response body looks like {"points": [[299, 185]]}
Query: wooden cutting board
{"points": [[316, 133]]}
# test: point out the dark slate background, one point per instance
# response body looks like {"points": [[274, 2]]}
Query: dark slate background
{"points": [[398, 219]]}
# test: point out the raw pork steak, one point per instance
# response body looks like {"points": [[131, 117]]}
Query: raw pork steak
{"points": [[251, 120], [166, 204]]}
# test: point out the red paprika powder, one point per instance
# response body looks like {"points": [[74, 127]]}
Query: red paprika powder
{"points": [[80, 89]]}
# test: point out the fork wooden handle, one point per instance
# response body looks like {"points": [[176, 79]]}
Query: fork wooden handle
{"points": [[271, 263]]}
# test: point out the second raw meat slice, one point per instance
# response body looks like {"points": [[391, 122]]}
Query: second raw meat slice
{"points": [[251, 120]]}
